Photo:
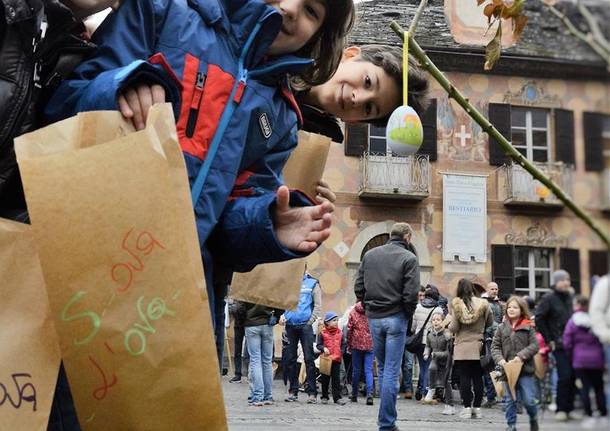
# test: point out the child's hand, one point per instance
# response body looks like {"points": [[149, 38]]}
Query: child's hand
{"points": [[326, 351], [325, 193], [134, 102], [282, 320], [502, 362], [301, 229], [517, 359]]}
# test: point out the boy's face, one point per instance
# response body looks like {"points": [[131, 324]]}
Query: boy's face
{"points": [[437, 322], [358, 91], [333, 323], [301, 20]]}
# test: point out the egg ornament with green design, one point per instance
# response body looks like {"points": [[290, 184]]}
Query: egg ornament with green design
{"points": [[404, 132]]}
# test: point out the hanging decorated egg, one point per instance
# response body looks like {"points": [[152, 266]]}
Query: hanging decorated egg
{"points": [[404, 132]]}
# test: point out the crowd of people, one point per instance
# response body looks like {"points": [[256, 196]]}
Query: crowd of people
{"points": [[466, 348]]}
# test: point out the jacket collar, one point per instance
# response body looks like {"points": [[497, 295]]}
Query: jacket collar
{"points": [[398, 241]]}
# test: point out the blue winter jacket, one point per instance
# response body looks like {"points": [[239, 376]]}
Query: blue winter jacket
{"points": [[232, 115]]}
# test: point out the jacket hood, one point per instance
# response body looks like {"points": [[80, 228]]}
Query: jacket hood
{"points": [[524, 324], [582, 319], [359, 307], [465, 315]]}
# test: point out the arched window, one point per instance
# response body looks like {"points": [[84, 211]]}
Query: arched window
{"points": [[376, 241]]}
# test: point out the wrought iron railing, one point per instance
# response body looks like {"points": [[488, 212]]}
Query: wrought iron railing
{"points": [[521, 187], [398, 176]]}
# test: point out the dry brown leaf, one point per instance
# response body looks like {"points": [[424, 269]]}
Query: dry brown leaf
{"points": [[493, 48], [519, 25]]}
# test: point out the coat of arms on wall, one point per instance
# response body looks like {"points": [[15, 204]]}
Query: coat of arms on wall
{"points": [[536, 236]]}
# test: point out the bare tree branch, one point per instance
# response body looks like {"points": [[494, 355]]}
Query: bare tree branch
{"points": [[420, 9], [594, 26], [600, 50]]}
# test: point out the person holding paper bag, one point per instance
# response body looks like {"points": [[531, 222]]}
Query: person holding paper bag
{"points": [[230, 94], [515, 341]]}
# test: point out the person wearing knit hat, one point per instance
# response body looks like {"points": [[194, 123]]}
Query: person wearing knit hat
{"points": [[331, 343], [330, 315], [552, 315]]}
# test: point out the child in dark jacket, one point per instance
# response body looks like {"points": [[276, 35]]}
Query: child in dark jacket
{"points": [[587, 355], [360, 343], [437, 352], [515, 341], [330, 340]]}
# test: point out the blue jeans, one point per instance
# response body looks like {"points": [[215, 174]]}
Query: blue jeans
{"points": [[422, 380], [407, 372], [259, 340], [389, 337], [360, 358], [490, 391], [526, 393], [607, 349]]}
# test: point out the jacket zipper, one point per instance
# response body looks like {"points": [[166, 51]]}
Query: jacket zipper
{"points": [[195, 105]]}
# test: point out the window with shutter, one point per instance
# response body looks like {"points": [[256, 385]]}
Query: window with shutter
{"points": [[529, 133], [429, 146], [356, 139], [569, 259], [499, 116], [598, 262], [593, 131], [533, 268], [564, 136], [503, 269]]}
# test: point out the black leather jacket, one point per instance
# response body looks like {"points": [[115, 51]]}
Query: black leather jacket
{"points": [[31, 66]]}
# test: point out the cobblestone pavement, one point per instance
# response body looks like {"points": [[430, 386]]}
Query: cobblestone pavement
{"points": [[356, 417]]}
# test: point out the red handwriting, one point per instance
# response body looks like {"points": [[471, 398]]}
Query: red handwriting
{"points": [[122, 273], [101, 392], [25, 392]]}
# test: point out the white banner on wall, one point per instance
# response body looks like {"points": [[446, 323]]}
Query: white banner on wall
{"points": [[464, 218]]}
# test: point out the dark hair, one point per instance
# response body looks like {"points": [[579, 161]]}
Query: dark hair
{"points": [[582, 302], [465, 291], [422, 289], [326, 46], [389, 58]]}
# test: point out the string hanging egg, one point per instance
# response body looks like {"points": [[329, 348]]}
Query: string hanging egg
{"points": [[404, 131]]}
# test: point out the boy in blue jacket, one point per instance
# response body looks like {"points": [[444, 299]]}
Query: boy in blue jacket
{"points": [[223, 65]]}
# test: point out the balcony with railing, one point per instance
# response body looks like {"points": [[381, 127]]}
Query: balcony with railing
{"points": [[386, 176], [521, 189]]}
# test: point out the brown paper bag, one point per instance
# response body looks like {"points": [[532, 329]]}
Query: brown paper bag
{"points": [[512, 369], [29, 349], [279, 284], [540, 366], [325, 365], [115, 230]]}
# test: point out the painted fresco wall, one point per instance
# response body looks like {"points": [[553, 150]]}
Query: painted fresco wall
{"points": [[462, 147]]}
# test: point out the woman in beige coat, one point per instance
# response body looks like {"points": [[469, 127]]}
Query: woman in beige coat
{"points": [[470, 316]]}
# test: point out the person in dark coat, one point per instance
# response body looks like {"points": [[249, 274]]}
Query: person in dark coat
{"points": [[387, 283], [552, 315]]}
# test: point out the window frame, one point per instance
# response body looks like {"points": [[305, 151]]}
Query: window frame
{"points": [[378, 137], [532, 269], [529, 133]]}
